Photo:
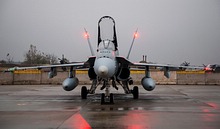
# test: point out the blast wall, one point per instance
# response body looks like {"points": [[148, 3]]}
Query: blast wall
{"points": [[179, 78]]}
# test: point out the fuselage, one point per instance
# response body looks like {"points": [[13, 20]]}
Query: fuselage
{"points": [[105, 65]]}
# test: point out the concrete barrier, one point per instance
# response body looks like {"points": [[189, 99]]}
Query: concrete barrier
{"points": [[198, 78], [212, 79], [6, 78], [156, 75], [180, 78], [191, 79]]}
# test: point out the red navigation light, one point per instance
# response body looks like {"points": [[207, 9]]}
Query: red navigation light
{"points": [[86, 35], [135, 35], [207, 69]]}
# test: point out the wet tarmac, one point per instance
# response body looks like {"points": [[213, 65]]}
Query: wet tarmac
{"points": [[167, 107]]}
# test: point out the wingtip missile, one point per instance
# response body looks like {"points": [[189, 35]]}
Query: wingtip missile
{"points": [[11, 69]]}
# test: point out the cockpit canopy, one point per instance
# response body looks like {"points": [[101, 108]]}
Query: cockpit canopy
{"points": [[106, 31]]}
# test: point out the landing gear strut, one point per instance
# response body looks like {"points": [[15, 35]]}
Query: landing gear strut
{"points": [[107, 97]]}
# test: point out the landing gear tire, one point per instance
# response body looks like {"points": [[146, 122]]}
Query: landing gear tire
{"points": [[135, 92], [84, 92], [111, 98], [103, 98]]}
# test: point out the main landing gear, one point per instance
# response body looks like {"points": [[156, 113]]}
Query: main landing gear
{"points": [[104, 99]]}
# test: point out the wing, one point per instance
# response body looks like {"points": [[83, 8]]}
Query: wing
{"points": [[127, 62], [165, 67], [88, 63], [46, 66], [168, 66], [124, 61]]}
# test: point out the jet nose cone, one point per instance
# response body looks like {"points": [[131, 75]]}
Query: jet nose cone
{"points": [[103, 70]]}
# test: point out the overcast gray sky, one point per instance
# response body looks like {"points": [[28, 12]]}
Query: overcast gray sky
{"points": [[170, 31]]}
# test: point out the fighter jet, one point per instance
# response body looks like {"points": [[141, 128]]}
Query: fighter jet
{"points": [[212, 68], [106, 68]]}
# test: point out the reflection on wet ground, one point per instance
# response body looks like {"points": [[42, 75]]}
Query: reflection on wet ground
{"points": [[168, 107]]}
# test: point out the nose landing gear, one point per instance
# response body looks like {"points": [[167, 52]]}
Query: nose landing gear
{"points": [[107, 97]]}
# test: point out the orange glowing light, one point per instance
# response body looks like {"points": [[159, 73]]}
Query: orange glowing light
{"points": [[86, 35], [135, 35]]}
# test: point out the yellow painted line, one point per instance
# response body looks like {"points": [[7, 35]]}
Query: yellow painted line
{"points": [[86, 72], [39, 71], [132, 71], [27, 71], [190, 72], [81, 71], [137, 71]]}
